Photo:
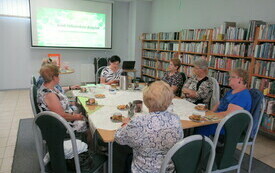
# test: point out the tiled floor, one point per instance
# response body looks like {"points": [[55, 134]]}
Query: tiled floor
{"points": [[15, 105]]}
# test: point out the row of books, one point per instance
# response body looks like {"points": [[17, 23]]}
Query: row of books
{"points": [[189, 59], [160, 74], [267, 32], [235, 33], [265, 68], [270, 105], [195, 34], [187, 70], [267, 86], [162, 65], [238, 49], [150, 36], [150, 54], [219, 32], [266, 50], [150, 45], [200, 47], [169, 46], [268, 122], [222, 77], [149, 63], [147, 79], [169, 35], [252, 28], [167, 55], [228, 63], [148, 71]]}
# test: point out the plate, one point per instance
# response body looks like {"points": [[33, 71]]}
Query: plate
{"points": [[100, 96], [93, 104], [193, 118], [122, 107], [116, 118], [200, 108]]}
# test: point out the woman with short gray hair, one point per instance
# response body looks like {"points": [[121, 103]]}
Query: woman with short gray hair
{"points": [[198, 88]]}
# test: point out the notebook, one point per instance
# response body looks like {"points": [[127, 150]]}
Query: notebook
{"points": [[128, 65]]}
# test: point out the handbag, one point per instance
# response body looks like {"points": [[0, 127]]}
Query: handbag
{"points": [[85, 162]]}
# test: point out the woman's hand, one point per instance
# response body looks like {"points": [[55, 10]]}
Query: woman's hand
{"points": [[75, 87], [78, 116], [125, 121]]}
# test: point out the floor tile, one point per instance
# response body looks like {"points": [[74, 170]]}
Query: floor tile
{"points": [[11, 140], [9, 151], [3, 141], [2, 152], [5, 125], [270, 160], [6, 164], [1, 160], [4, 133]]}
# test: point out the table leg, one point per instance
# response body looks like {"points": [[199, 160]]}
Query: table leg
{"points": [[110, 157]]}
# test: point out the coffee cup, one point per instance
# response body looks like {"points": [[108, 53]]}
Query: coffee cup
{"points": [[138, 105]]}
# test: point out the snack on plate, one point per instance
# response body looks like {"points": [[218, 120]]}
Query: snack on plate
{"points": [[200, 107], [116, 118], [83, 90], [100, 96], [91, 101], [122, 107], [195, 117]]}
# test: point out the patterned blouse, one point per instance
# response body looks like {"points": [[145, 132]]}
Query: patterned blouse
{"points": [[151, 136], [110, 75], [176, 80], [204, 91], [43, 91]]}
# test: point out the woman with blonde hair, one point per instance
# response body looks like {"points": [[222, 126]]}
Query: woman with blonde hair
{"points": [[153, 134], [173, 77], [238, 98]]}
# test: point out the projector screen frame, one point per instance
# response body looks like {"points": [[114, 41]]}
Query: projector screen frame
{"points": [[71, 47]]}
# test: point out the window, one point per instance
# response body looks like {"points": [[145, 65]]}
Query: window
{"points": [[18, 8]]}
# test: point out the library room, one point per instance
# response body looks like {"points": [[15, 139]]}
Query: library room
{"points": [[140, 86]]}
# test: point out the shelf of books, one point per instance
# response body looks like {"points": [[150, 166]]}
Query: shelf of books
{"points": [[263, 76]]}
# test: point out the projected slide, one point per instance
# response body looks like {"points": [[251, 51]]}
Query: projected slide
{"points": [[59, 27]]}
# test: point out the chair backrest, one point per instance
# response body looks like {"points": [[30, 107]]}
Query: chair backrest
{"points": [[33, 99], [179, 92], [33, 80], [187, 155], [98, 73], [216, 93], [53, 129], [99, 62], [234, 125], [257, 110]]}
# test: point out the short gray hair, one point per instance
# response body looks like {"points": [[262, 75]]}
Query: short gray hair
{"points": [[201, 63]]}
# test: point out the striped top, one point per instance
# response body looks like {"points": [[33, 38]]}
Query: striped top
{"points": [[110, 75]]}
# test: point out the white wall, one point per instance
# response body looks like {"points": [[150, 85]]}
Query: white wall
{"points": [[19, 61], [174, 15]]}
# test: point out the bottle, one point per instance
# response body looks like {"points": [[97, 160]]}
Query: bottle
{"points": [[123, 81]]}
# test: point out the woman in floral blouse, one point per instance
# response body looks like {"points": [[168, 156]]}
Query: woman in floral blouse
{"points": [[153, 134], [173, 77], [198, 88]]}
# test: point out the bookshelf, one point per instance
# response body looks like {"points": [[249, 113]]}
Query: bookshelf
{"points": [[225, 48]]}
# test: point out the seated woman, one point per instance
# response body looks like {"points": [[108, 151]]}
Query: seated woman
{"points": [[173, 77], [238, 98], [40, 79], [49, 98], [111, 74], [198, 88], [152, 135]]}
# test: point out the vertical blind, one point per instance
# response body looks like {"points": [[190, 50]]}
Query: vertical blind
{"points": [[19, 8]]}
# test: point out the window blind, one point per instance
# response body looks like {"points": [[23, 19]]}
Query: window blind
{"points": [[18, 8]]}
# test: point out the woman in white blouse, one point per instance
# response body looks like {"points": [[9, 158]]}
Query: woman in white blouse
{"points": [[111, 74], [153, 134]]}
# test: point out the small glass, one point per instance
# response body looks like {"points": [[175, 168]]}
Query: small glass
{"points": [[138, 105]]}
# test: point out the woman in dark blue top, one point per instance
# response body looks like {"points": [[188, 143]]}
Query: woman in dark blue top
{"points": [[238, 98]]}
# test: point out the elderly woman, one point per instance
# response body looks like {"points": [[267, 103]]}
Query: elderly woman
{"points": [[40, 79], [199, 88], [111, 74], [173, 77], [153, 134], [238, 98], [49, 98]]}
